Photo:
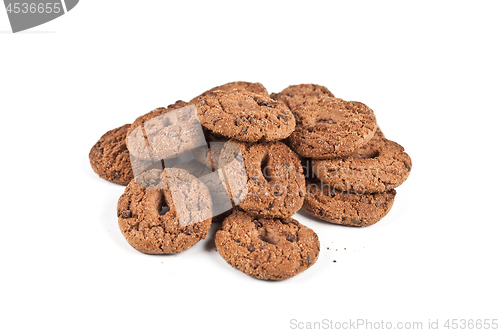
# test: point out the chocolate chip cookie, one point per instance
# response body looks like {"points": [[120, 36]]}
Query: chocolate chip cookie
{"points": [[296, 95], [378, 166], [165, 211], [165, 133], [358, 210], [209, 155], [331, 127], [272, 178], [256, 88], [268, 249], [245, 116], [110, 158]]}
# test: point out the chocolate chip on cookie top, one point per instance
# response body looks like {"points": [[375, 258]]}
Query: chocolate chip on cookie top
{"points": [[378, 166], [110, 158], [256, 88], [245, 116], [268, 249], [165, 133], [358, 210], [165, 211], [296, 95], [274, 180], [331, 127]]}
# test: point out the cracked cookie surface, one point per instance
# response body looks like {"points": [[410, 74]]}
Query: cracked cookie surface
{"points": [[331, 127], [164, 134], [323, 202], [153, 222], [298, 94], [378, 166], [110, 158], [273, 178], [245, 116], [268, 249], [256, 88]]}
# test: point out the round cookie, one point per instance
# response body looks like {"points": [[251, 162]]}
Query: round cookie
{"points": [[256, 88], [110, 158], [267, 249], [159, 135], [272, 178], [296, 95], [378, 166], [323, 202], [245, 116], [331, 127], [151, 222]]}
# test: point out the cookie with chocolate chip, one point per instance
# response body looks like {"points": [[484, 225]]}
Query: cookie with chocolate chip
{"points": [[165, 133], [267, 249], [245, 116], [272, 182], [110, 158], [331, 127], [345, 208], [378, 166], [164, 211], [252, 87], [298, 94]]}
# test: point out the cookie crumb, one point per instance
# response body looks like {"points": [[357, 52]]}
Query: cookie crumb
{"points": [[335, 261]]}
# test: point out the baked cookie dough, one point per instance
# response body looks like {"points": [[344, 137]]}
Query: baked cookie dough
{"points": [[268, 249], [245, 116], [331, 127], [378, 166], [296, 95], [358, 210], [157, 219], [272, 178], [110, 158], [256, 88], [165, 133]]}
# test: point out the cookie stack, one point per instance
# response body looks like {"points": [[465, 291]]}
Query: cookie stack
{"points": [[265, 158]]}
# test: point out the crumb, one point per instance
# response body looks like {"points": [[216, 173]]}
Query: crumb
{"points": [[328, 248], [335, 261], [344, 248]]}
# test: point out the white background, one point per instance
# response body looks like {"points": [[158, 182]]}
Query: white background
{"points": [[429, 70]]}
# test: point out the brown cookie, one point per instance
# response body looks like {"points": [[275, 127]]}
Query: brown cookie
{"points": [[378, 166], [209, 155], [256, 88], [296, 95], [165, 133], [272, 178], [221, 202], [110, 158], [156, 218], [323, 202], [245, 116], [331, 127], [268, 249]]}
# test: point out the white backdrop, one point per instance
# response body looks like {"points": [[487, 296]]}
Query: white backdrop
{"points": [[429, 70]]}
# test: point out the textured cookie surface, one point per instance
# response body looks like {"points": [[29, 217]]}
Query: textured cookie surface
{"points": [[256, 88], [378, 166], [209, 155], [274, 178], [331, 127], [245, 116], [268, 249], [110, 158], [323, 202], [153, 222], [165, 134], [296, 95]]}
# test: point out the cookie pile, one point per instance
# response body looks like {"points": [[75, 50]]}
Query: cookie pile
{"points": [[272, 155]]}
